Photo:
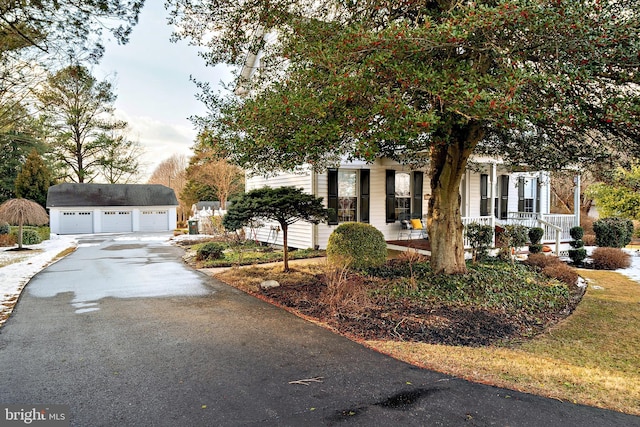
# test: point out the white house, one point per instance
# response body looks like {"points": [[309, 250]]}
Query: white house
{"points": [[109, 208], [386, 192]]}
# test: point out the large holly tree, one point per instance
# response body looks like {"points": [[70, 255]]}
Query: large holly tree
{"points": [[545, 83]]}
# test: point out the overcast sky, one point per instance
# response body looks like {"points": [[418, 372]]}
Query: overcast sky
{"points": [[155, 95]]}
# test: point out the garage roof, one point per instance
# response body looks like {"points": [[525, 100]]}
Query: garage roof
{"points": [[76, 195]]}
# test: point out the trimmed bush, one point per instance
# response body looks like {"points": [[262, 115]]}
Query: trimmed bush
{"points": [[29, 236], [613, 232], [480, 237], [541, 260], [576, 233], [356, 245], [578, 253], [562, 272], [535, 235], [209, 250], [610, 258], [4, 228]]}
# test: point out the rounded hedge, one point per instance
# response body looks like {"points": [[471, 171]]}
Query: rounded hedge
{"points": [[357, 246], [29, 236], [535, 235], [4, 228]]}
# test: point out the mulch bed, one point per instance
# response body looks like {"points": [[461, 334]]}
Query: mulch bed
{"points": [[409, 320]]}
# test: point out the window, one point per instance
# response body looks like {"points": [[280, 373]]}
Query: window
{"points": [[527, 194], [400, 191], [484, 194], [348, 195], [402, 195]]}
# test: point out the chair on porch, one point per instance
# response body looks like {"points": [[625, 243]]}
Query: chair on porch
{"points": [[412, 228]]}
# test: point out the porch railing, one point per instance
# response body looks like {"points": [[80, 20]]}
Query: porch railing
{"points": [[556, 227]]}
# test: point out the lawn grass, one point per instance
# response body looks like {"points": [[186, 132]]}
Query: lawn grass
{"points": [[590, 358]]}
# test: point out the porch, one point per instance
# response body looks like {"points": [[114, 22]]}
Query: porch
{"points": [[556, 230]]}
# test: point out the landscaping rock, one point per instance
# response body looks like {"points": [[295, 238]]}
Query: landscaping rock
{"points": [[269, 284]]}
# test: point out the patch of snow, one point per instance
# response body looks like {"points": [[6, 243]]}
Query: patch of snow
{"points": [[15, 276]]}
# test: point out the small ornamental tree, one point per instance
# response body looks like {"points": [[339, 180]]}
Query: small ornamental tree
{"points": [[286, 205], [23, 212], [577, 253], [535, 235]]}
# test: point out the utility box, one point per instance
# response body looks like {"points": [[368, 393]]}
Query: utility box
{"points": [[193, 226]]}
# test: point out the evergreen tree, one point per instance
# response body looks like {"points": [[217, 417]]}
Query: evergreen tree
{"points": [[34, 180], [286, 205], [78, 110]]}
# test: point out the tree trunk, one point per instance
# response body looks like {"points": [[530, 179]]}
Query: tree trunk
{"points": [[444, 221], [285, 250], [20, 235]]}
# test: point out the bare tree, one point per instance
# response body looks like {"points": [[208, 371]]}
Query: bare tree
{"points": [[172, 173], [211, 173]]}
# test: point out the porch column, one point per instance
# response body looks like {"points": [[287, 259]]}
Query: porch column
{"points": [[493, 173], [576, 200]]}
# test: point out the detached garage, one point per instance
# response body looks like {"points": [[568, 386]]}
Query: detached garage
{"points": [[111, 208]]}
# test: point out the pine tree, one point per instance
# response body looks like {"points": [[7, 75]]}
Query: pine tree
{"points": [[34, 179]]}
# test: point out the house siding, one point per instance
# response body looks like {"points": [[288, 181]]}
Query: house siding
{"points": [[305, 235], [300, 234]]}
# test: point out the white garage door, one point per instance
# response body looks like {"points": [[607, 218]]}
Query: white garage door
{"points": [[76, 223], [116, 221], [154, 220]]}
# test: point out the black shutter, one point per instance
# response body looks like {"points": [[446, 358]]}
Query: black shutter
{"points": [[484, 194], [332, 197], [538, 195], [504, 196], [521, 207], [364, 195], [390, 188], [418, 178]]}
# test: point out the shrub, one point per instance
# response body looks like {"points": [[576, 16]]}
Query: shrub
{"points": [[613, 232], [4, 228], [480, 237], [535, 235], [610, 258], [578, 253], [562, 272], [512, 236], [356, 245], [8, 240], [589, 239], [576, 233], [29, 236], [209, 250], [541, 260]]}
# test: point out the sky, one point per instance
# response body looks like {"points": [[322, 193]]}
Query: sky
{"points": [[152, 81]]}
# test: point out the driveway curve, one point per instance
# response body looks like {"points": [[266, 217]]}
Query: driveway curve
{"points": [[127, 335]]}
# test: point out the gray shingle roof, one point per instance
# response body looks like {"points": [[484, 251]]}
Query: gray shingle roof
{"points": [[72, 195]]}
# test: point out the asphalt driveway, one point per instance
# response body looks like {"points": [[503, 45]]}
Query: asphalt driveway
{"points": [[127, 335]]}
